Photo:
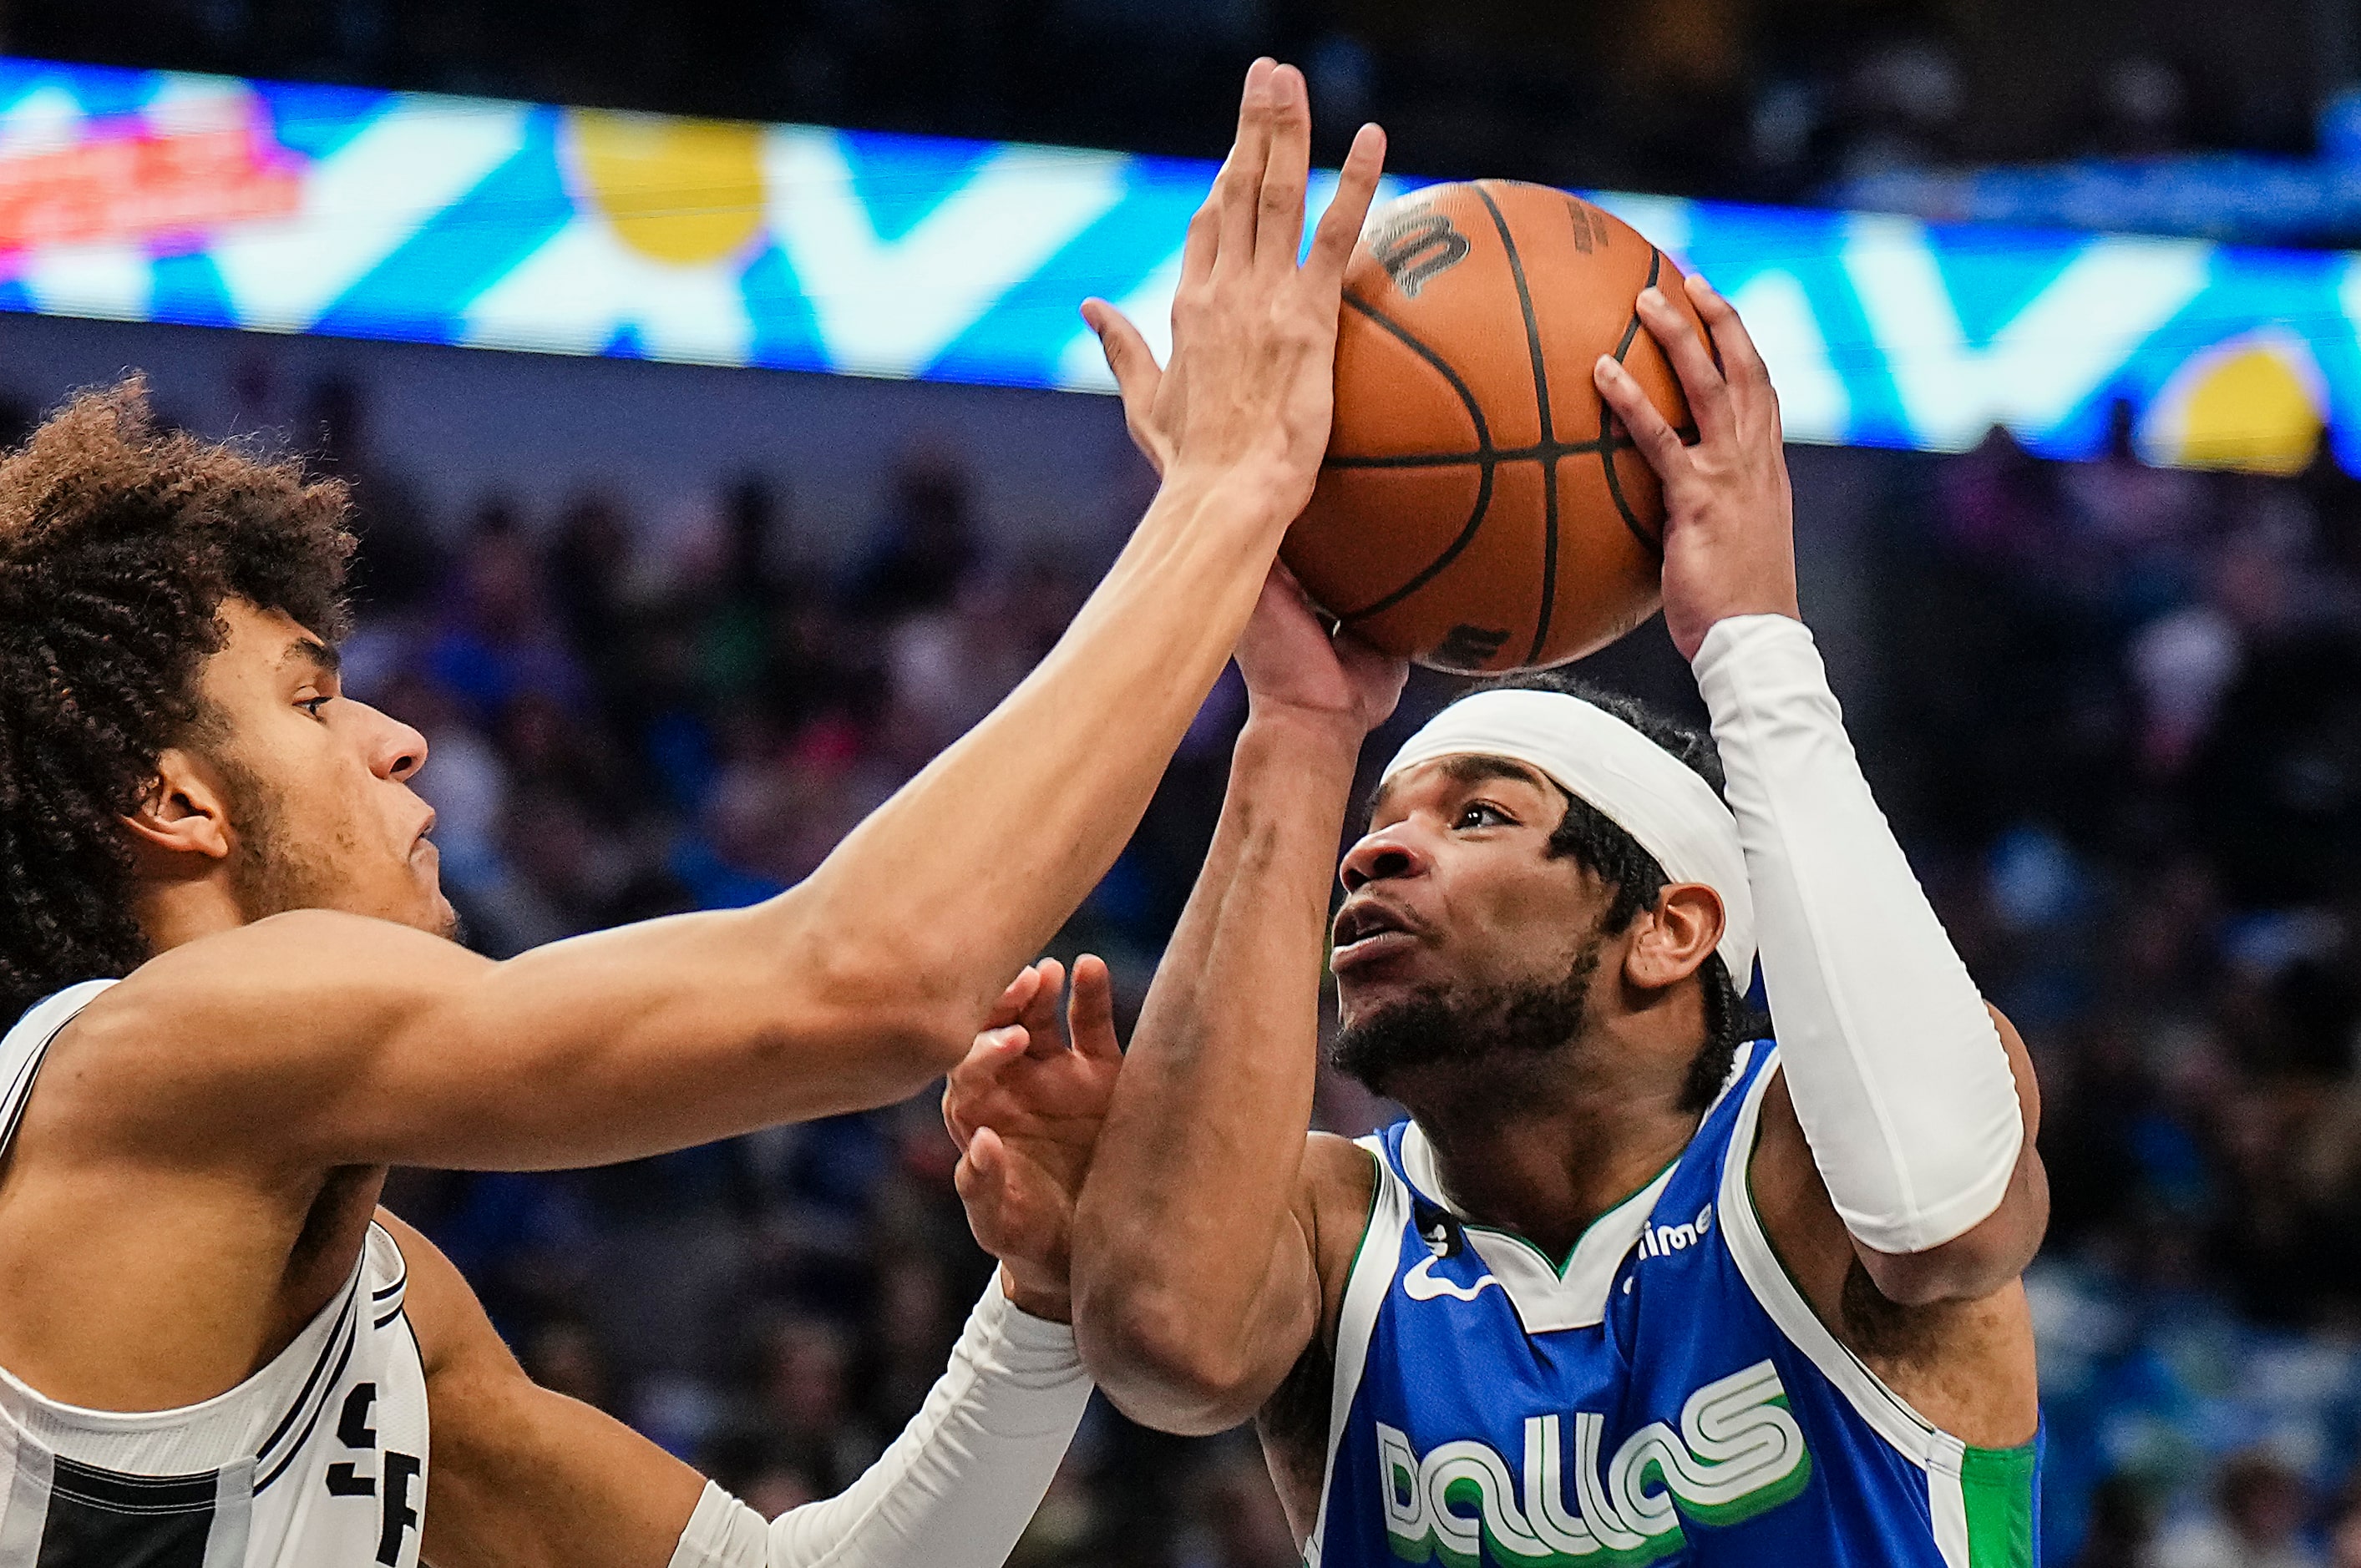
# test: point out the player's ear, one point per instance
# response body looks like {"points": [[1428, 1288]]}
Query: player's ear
{"points": [[1674, 938], [183, 813]]}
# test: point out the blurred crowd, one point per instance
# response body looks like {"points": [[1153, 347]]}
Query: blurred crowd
{"points": [[1758, 98], [2119, 728], [2113, 712]]}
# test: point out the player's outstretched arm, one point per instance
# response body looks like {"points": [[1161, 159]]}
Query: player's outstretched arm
{"points": [[1197, 1245], [523, 1477], [351, 1042], [1913, 1104]]}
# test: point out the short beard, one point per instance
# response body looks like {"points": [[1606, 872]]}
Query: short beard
{"points": [[267, 876], [1442, 1026]]}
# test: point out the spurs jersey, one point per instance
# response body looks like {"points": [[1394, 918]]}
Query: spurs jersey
{"points": [[317, 1460], [1663, 1396]]}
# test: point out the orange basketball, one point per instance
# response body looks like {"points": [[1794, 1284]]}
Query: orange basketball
{"points": [[1481, 510]]}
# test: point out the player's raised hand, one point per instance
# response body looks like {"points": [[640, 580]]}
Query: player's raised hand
{"points": [[1250, 390], [1025, 1108], [1729, 532], [1293, 663]]}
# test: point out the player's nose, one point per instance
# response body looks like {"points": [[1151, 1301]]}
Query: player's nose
{"points": [[1380, 856], [396, 749]]}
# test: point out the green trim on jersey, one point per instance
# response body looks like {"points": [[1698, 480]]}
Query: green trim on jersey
{"points": [[1558, 1266], [1996, 1483], [1369, 1224]]}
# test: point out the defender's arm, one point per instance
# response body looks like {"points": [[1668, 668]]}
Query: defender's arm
{"points": [[1196, 1283], [523, 1477], [348, 1042]]}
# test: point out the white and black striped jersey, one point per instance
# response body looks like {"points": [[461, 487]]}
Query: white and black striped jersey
{"points": [[317, 1460]]}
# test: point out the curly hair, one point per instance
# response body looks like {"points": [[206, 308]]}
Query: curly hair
{"points": [[119, 543], [1588, 838]]}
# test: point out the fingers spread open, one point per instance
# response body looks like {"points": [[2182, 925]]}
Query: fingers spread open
{"points": [[1137, 377], [1090, 1015], [972, 1082], [953, 1122], [1015, 999], [1658, 441], [993, 1050], [1053, 980], [1128, 354], [982, 1179], [1692, 360], [1238, 188], [1040, 1020], [1340, 226], [1205, 239], [1204, 242], [1741, 362], [1279, 225]]}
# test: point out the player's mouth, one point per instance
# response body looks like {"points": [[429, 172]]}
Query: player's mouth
{"points": [[1368, 932]]}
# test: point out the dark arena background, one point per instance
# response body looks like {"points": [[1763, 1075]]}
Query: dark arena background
{"points": [[691, 530]]}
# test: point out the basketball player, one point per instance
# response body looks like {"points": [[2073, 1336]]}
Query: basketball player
{"points": [[1629, 1285], [239, 1004]]}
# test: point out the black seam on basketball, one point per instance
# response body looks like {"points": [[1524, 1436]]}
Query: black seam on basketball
{"points": [[1526, 305], [1542, 405], [1542, 454], [1434, 568], [1549, 559], [1485, 452], [1632, 327], [1654, 544], [1483, 457]]}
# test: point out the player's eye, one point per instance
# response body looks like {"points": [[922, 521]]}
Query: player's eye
{"points": [[1481, 814], [312, 704]]}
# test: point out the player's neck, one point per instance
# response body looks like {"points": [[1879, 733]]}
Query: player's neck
{"points": [[173, 913], [1545, 1147]]}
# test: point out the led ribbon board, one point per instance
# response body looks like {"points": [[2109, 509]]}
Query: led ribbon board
{"points": [[153, 196]]}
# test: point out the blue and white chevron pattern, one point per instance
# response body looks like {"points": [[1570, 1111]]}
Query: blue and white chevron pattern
{"points": [[154, 196]]}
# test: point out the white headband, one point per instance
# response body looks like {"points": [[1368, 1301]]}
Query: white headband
{"points": [[1641, 788]]}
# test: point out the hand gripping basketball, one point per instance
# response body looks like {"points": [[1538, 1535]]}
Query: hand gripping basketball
{"points": [[1250, 391], [1293, 663], [1729, 529]]}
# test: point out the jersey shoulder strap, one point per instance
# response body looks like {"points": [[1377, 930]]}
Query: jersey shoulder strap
{"points": [[23, 1048], [1366, 1283], [1886, 1413]]}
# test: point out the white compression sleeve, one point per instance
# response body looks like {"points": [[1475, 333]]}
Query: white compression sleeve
{"points": [[1898, 1074], [957, 1488]]}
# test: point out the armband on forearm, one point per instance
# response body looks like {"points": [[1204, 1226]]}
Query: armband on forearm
{"points": [[957, 1488], [1897, 1073]]}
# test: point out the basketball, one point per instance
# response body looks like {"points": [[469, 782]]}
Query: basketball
{"points": [[1481, 510]]}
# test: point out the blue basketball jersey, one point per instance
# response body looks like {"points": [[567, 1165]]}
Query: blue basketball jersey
{"points": [[1667, 1396]]}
